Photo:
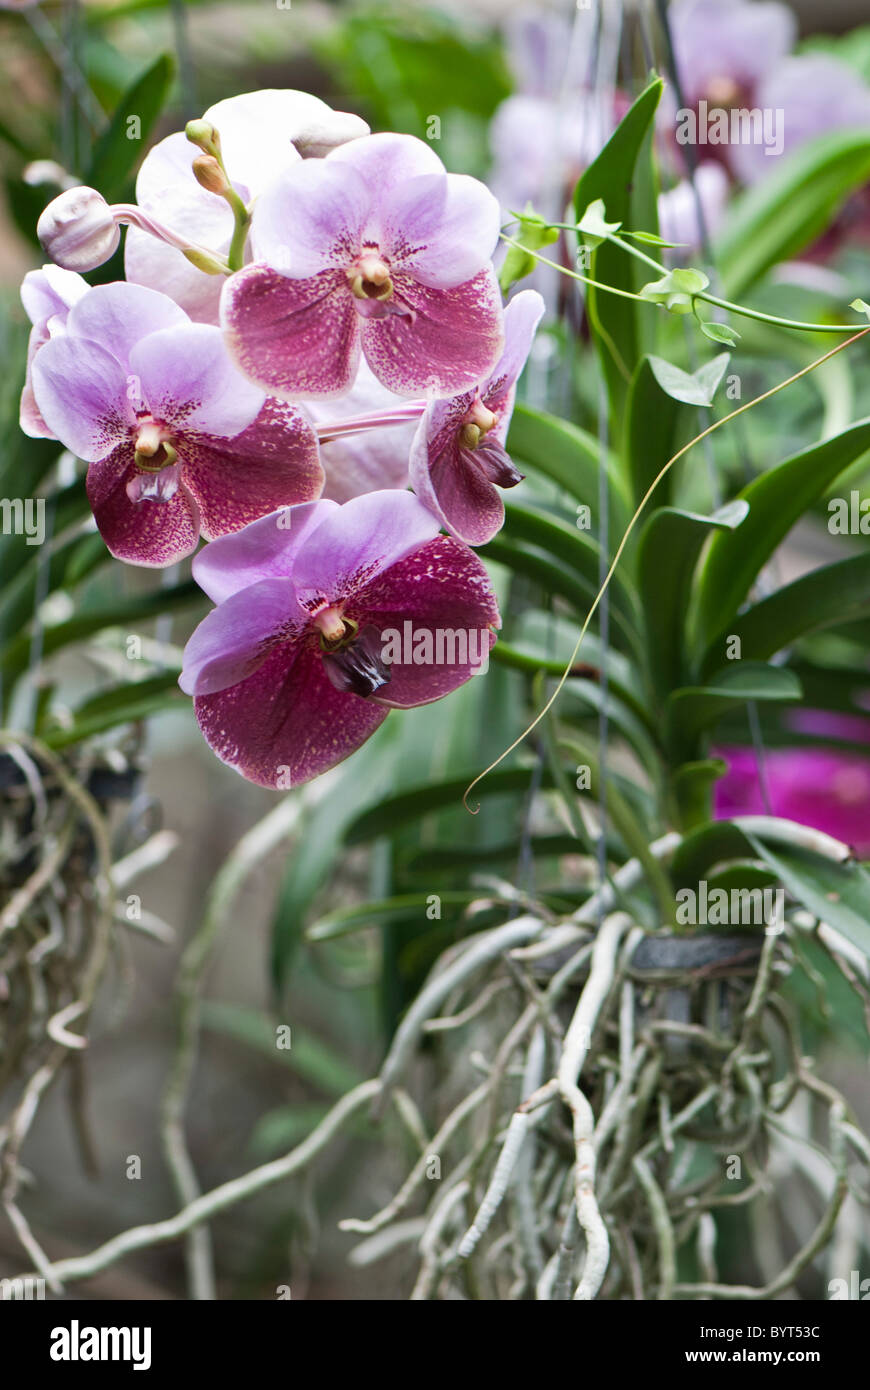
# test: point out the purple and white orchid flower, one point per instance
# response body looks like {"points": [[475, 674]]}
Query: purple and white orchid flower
{"points": [[327, 616], [262, 134], [723, 48], [47, 295], [374, 249], [177, 441], [458, 458], [816, 95]]}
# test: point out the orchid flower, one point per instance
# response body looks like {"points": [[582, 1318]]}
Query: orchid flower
{"points": [[819, 787], [374, 249], [816, 95], [177, 441], [723, 48], [298, 664], [458, 458], [47, 295], [261, 134]]}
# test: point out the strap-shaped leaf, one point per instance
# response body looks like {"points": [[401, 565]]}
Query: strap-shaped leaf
{"points": [[692, 710], [776, 500], [838, 894], [668, 552], [570, 457], [792, 206], [116, 153], [837, 593], [622, 178]]}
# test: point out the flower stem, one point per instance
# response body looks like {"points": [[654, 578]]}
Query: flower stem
{"points": [[707, 298]]}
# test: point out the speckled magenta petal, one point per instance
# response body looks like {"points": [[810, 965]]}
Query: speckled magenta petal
{"points": [[449, 342], [453, 485], [440, 588], [273, 463], [286, 723], [264, 550], [238, 635], [142, 533], [294, 338]]}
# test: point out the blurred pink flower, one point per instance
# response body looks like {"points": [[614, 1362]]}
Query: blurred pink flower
{"points": [[822, 788]]}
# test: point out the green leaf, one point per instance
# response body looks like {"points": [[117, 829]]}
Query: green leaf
{"points": [[535, 234], [124, 611], [692, 787], [592, 225], [777, 500], [574, 547], [452, 859], [719, 332], [558, 579], [693, 709], [132, 703], [313, 857], [622, 178], [624, 819], [309, 1056], [650, 434], [651, 239], [838, 894], [668, 552], [116, 153], [285, 1126], [692, 388], [394, 812], [792, 206], [676, 290], [352, 919], [569, 457], [861, 307], [713, 846], [838, 593]]}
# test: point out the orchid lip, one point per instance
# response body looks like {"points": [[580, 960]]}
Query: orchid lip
{"points": [[357, 666]]}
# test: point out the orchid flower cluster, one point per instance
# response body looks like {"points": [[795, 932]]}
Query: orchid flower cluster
{"points": [[310, 322]]}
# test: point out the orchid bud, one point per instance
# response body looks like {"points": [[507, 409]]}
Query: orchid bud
{"points": [[204, 134], [209, 174], [326, 133], [78, 229]]}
